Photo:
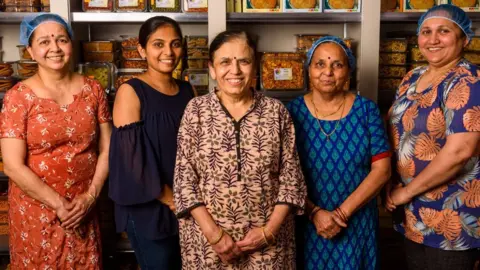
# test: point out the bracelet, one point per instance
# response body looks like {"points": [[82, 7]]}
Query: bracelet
{"points": [[219, 237], [314, 211], [264, 236], [341, 214], [270, 232]]}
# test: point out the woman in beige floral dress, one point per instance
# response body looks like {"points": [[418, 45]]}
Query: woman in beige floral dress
{"points": [[238, 182]]}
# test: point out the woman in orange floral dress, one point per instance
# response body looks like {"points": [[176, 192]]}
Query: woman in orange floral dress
{"points": [[55, 132], [435, 129]]}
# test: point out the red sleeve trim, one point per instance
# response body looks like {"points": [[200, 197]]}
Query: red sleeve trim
{"points": [[381, 156]]}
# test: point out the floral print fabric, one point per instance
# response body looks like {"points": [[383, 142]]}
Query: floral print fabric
{"points": [[62, 151], [446, 217], [239, 171]]}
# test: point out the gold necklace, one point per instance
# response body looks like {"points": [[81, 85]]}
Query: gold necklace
{"points": [[330, 114], [318, 121]]}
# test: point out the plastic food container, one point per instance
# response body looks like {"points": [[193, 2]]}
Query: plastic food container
{"points": [[6, 70], [416, 55], [418, 5], [389, 83], [23, 53], [198, 78], [165, 6], [197, 63], [391, 5], [124, 75], [97, 5], [474, 44], [129, 41], [393, 58], [130, 5], [195, 5], [45, 5], [197, 53], [134, 64], [282, 71], [102, 72], [473, 57], [196, 41], [22, 5], [26, 69], [99, 57], [394, 45], [392, 71], [306, 41], [6, 83], [131, 53], [98, 46]]}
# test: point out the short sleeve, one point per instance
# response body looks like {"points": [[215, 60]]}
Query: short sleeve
{"points": [[379, 146], [14, 115], [103, 111], [461, 105], [186, 189]]}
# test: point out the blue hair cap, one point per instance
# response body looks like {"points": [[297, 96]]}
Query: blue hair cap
{"points": [[451, 13], [339, 42], [30, 23]]}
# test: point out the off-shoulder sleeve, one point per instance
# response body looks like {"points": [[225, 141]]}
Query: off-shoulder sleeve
{"points": [[187, 193], [292, 189], [134, 166], [14, 114]]}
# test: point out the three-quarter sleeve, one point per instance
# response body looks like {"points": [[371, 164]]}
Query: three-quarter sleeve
{"points": [[14, 114], [187, 193], [461, 105], [292, 189], [135, 176], [379, 146]]}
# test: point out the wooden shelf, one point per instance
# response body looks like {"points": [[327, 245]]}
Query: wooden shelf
{"points": [[15, 17]]}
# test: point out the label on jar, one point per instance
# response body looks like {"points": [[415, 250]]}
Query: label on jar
{"points": [[164, 3], [198, 79], [197, 3], [128, 3], [98, 3], [283, 74]]}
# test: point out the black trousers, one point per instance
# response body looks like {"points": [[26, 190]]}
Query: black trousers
{"points": [[421, 257]]}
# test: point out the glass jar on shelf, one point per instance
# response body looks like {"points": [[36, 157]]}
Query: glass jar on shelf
{"points": [[97, 5], [130, 5], [165, 6]]}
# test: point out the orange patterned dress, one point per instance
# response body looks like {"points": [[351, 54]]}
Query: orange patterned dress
{"points": [[62, 150]]}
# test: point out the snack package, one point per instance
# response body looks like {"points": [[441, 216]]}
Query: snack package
{"points": [[302, 6], [391, 6], [342, 5], [419, 5], [268, 6], [466, 5]]}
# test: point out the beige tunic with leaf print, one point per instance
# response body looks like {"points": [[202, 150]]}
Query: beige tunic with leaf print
{"points": [[239, 171]]}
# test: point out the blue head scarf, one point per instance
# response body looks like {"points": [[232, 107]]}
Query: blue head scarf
{"points": [[339, 42], [30, 23], [451, 13]]}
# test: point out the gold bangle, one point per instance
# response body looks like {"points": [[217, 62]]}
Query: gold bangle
{"points": [[270, 232], [91, 196], [264, 236], [219, 237]]}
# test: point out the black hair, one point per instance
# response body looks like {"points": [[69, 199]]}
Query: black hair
{"points": [[152, 24], [230, 35]]}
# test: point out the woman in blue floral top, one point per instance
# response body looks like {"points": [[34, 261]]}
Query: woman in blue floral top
{"points": [[434, 126]]}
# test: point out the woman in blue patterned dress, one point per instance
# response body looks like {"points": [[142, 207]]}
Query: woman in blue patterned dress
{"points": [[345, 157]]}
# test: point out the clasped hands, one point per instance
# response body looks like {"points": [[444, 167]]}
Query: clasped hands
{"points": [[229, 251], [328, 224], [396, 195], [71, 213]]}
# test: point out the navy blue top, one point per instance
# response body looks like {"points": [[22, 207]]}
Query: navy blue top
{"points": [[142, 160]]}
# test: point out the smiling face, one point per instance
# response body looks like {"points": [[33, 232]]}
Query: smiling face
{"points": [[163, 50], [51, 46], [441, 41], [328, 71], [233, 67]]}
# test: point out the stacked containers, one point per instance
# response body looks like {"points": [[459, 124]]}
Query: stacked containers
{"points": [[26, 67], [22, 5], [197, 63], [393, 60], [130, 56], [100, 51], [6, 76], [472, 52]]}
